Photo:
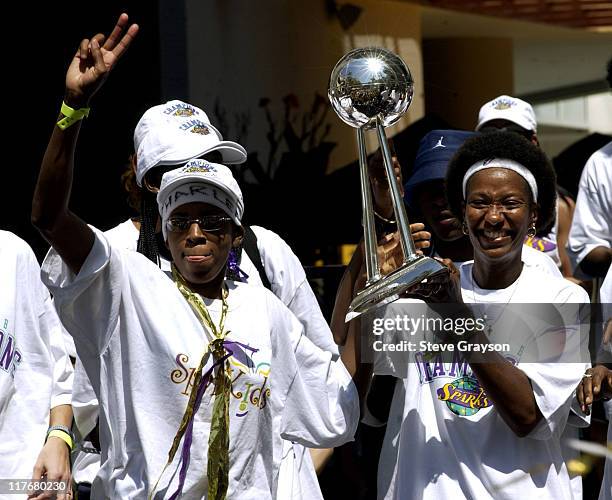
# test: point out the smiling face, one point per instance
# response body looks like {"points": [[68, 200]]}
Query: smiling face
{"points": [[431, 202], [498, 212], [201, 256]]}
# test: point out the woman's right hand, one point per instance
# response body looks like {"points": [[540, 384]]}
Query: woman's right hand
{"points": [[442, 288], [595, 384], [94, 60]]}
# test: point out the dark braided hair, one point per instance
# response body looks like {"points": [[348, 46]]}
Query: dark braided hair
{"points": [[510, 146], [147, 240]]}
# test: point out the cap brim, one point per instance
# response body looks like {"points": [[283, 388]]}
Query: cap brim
{"points": [[528, 126], [231, 152]]}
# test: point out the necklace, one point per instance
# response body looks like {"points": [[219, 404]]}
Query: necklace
{"points": [[218, 439], [490, 326]]}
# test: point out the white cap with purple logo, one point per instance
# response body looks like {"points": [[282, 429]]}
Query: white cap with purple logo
{"points": [[175, 132], [203, 182], [508, 108]]}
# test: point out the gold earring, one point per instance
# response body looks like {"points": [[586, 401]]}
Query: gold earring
{"points": [[531, 232]]}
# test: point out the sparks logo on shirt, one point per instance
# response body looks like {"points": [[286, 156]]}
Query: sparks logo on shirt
{"points": [[10, 355], [464, 396], [249, 382]]}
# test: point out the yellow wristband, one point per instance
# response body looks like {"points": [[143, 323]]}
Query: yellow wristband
{"points": [[71, 116], [63, 436]]}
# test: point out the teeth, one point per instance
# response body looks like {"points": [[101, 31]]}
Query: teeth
{"points": [[494, 234]]}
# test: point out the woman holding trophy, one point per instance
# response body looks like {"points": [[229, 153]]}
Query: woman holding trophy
{"points": [[485, 424]]}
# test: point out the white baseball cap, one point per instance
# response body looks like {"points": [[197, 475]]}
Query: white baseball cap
{"points": [[508, 108], [200, 181], [175, 132]]}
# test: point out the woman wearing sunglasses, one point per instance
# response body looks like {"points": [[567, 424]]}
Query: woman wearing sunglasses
{"points": [[199, 378]]}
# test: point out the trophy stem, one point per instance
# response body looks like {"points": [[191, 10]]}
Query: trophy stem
{"points": [[408, 248], [369, 231]]}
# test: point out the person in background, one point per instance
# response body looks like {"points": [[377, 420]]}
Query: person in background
{"points": [[597, 382], [511, 114], [35, 378], [590, 240]]}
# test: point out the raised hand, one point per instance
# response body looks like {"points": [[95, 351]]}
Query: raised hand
{"points": [[94, 60]]}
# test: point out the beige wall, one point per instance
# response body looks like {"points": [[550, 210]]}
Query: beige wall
{"points": [[240, 51], [464, 73]]}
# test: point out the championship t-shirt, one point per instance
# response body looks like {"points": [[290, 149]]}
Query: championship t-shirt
{"points": [[288, 282], [445, 437], [140, 344]]}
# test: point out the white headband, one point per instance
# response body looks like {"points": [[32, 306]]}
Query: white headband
{"points": [[502, 163]]}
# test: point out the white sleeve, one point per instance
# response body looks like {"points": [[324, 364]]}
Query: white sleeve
{"points": [[321, 405], [591, 221], [63, 373], [554, 383], [554, 386], [290, 285], [88, 303], [85, 405]]}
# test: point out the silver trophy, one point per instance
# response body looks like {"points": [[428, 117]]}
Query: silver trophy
{"points": [[372, 88]]}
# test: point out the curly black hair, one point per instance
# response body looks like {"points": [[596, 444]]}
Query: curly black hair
{"points": [[512, 147]]}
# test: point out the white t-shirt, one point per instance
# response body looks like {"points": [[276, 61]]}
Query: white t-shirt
{"points": [[35, 371], [139, 342], [298, 479], [436, 448], [539, 260], [592, 221], [283, 269], [532, 258]]}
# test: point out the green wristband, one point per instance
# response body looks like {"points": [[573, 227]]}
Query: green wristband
{"points": [[71, 116]]}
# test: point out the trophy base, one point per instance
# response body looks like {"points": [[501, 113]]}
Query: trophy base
{"points": [[389, 288]]}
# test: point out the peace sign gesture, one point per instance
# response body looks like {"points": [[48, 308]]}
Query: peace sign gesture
{"points": [[94, 60]]}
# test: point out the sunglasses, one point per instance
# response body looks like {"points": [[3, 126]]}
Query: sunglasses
{"points": [[207, 223]]}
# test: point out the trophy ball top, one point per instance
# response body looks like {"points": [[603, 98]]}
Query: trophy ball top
{"points": [[369, 83]]}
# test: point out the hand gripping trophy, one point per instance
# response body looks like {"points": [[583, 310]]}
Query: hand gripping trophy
{"points": [[372, 88]]}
